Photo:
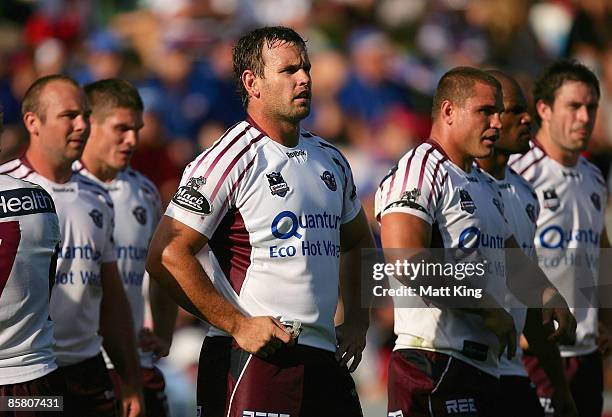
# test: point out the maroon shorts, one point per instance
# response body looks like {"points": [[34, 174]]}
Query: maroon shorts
{"points": [[53, 384], [90, 388], [519, 398], [585, 378], [153, 389], [424, 383], [295, 381]]}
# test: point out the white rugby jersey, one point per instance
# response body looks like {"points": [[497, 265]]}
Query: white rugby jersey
{"points": [[521, 210], [272, 215], [86, 224], [465, 211], [29, 234], [572, 201], [137, 204]]}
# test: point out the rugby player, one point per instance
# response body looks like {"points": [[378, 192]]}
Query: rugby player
{"points": [[572, 195], [116, 119], [521, 209], [278, 208], [29, 236]]}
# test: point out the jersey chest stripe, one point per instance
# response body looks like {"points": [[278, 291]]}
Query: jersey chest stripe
{"points": [[224, 151], [237, 182], [423, 165], [28, 172], [231, 165], [407, 171], [535, 161], [213, 147], [435, 182]]}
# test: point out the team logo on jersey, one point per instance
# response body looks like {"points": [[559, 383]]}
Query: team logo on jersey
{"points": [[408, 199], [140, 213], [329, 180], [97, 218], [191, 199], [596, 201], [551, 201], [278, 186], [465, 201], [411, 195], [531, 212], [499, 205]]}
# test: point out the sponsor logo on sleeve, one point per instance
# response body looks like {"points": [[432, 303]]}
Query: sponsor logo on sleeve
{"points": [[278, 186], [329, 180], [97, 218], [25, 201], [190, 198]]}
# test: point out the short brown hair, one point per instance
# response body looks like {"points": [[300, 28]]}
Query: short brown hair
{"points": [[247, 54], [111, 93], [457, 86], [31, 100]]}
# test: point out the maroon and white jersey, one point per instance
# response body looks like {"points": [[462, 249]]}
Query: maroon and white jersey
{"points": [[138, 201], [569, 228], [85, 214], [29, 234], [465, 211], [521, 210], [272, 215]]}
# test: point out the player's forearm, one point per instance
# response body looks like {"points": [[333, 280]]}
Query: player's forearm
{"points": [[179, 272], [545, 350], [163, 311], [350, 283], [117, 331], [526, 280]]}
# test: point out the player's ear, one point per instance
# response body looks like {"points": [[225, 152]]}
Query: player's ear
{"points": [[250, 83], [447, 112], [31, 122], [544, 110]]}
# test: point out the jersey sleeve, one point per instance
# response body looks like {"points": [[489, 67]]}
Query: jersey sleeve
{"points": [[210, 184], [413, 187]]}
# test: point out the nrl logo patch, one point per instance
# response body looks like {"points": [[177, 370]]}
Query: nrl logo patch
{"points": [[329, 180], [191, 199], [531, 212], [140, 213], [596, 201], [97, 218], [278, 186], [465, 202], [551, 201]]}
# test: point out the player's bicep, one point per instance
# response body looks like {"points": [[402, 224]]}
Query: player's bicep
{"points": [[403, 230], [172, 235], [355, 232]]}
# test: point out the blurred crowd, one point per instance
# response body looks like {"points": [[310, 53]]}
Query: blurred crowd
{"points": [[375, 64]]}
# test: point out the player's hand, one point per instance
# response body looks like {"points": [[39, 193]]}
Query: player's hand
{"points": [[351, 342], [261, 336], [500, 322], [555, 308], [150, 342], [132, 402], [563, 403], [604, 340]]}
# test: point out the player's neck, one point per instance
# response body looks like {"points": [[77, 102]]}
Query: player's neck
{"points": [[284, 132], [556, 153], [58, 171], [98, 169], [495, 165], [454, 153]]}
